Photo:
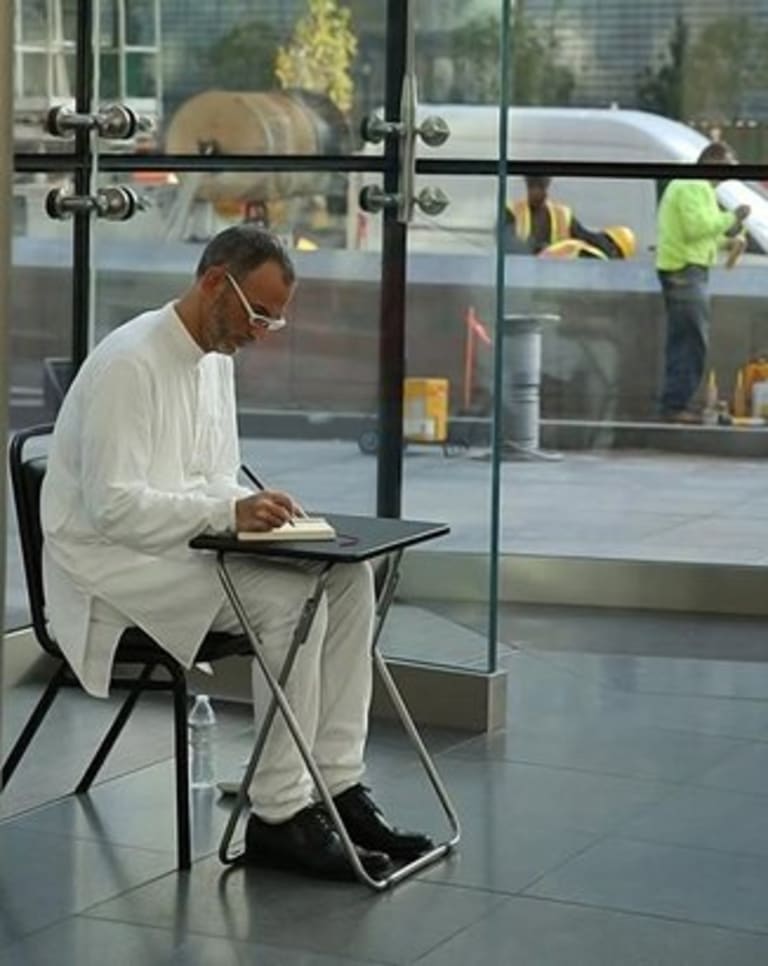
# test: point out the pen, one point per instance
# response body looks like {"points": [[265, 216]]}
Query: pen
{"points": [[258, 484]]}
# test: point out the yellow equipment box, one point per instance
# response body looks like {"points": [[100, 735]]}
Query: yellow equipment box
{"points": [[425, 410]]}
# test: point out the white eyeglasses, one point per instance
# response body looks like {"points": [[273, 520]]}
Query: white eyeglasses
{"points": [[256, 318]]}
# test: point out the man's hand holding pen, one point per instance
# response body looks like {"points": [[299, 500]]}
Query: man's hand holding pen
{"points": [[265, 511]]}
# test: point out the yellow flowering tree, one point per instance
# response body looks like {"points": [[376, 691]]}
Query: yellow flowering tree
{"points": [[320, 53]]}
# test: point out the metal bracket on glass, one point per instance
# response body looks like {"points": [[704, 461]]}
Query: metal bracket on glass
{"points": [[432, 201], [115, 122], [433, 131], [115, 203]]}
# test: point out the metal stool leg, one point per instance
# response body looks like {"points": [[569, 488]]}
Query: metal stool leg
{"points": [[181, 754], [279, 700], [33, 723], [114, 732], [276, 684]]}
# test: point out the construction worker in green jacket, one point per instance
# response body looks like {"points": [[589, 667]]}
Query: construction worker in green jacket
{"points": [[692, 228]]}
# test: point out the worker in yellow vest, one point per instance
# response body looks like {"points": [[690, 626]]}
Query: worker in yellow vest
{"points": [[536, 222], [617, 241]]}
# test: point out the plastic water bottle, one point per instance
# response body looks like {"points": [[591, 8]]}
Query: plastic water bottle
{"points": [[202, 725]]}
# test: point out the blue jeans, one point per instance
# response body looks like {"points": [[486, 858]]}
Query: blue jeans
{"points": [[686, 300]]}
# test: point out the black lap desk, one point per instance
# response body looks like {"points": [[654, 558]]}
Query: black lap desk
{"points": [[359, 538]]}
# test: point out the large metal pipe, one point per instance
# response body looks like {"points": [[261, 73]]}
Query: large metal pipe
{"points": [[6, 179], [258, 123]]}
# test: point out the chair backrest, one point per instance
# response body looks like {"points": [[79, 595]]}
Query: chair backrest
{"points": [[26, 481]]}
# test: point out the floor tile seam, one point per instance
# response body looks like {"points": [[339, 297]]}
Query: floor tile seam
{"points": [[191, 932], [541, 656], [663, 783], [695, 781], [125, 892], [754, 739], [746, 700], [445, 940], [687, 846], [727, 789], [633, 727], [30, 934], [93, 840], [659, 917], [111, 778], [598, 840], [645, 809], [77, 913], [31, 809], [672, 783]]}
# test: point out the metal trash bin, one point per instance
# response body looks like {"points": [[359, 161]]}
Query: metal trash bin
{"points": [[522, 382]]}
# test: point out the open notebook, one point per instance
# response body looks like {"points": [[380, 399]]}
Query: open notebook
{"points": [[304, 528]]}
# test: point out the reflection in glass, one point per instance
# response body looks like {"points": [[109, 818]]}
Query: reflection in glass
{"points": [[627, 485], [33, 17], [140, 23], [39, 335]]}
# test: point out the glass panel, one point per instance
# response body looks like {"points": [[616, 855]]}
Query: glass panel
{"points": [[34, 75], [109, 23], [39, 338], [231, 76], [43, 72], [609, 477], [308, 392], [109, 77], [140, 22], [581, 70], [140, 75], [34, 20], [448, 399], [69, 19]]}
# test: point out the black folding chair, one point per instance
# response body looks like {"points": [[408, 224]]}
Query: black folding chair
{"points": [[135, 648]]}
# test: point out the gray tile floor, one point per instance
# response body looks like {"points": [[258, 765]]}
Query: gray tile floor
{"points": [[620, 818]]}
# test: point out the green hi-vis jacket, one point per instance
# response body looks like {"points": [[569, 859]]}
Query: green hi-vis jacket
{"points": [[691, 226]]}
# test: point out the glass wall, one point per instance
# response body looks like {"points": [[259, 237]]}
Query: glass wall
{"points": [[39, 337], [227, 137]]}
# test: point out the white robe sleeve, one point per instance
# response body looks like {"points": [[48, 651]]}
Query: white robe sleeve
{"points": [[116, 442], [222, 478]]}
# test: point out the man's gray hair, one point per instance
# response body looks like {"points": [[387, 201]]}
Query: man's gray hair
{"points": [[243, 248]]}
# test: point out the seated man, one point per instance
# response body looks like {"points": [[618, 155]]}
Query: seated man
{"points": [[144, 456]]}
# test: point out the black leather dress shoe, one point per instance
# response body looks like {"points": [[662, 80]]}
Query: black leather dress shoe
{"points": [[368, 827], [309, 843]]}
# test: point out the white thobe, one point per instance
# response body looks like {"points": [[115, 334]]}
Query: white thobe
{"points": [[144, 456]]}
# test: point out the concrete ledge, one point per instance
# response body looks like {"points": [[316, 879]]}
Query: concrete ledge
{"points": [[586, 582], [446, 697], [437, 696], [557, 434]]}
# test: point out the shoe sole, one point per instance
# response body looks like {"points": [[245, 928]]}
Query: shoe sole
{"points": [[271, 860]]}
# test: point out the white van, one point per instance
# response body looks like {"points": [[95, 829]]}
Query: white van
{"points": [[557, 134]]}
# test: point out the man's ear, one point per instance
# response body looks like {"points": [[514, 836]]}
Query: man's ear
{"points": [[211, 278]]}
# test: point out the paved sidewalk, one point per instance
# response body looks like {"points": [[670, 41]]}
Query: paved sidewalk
{"points": [[618, 504]]}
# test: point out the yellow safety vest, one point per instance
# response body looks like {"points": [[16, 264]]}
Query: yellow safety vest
{"points": [[559, 220], [572, 248]]}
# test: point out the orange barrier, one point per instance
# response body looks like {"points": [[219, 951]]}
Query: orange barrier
{"points": [[476, 329]]}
